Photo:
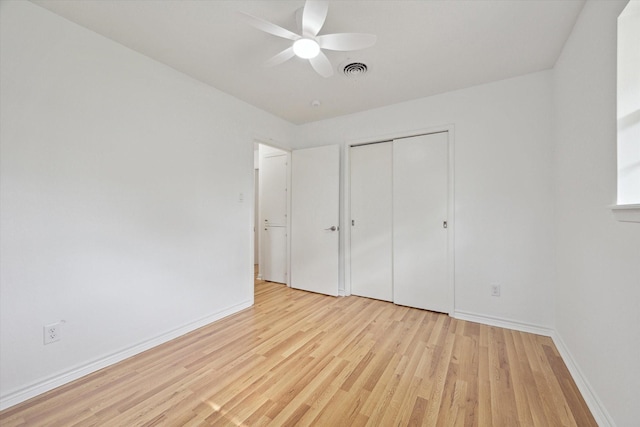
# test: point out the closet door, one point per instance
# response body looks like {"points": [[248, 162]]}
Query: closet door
{"points": [[420, 205], [371, 220]]}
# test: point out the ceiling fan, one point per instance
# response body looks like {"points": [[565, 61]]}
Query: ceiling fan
{"points": [[308, 44]]}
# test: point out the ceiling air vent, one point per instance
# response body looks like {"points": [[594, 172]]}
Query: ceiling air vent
{"points": [[355, 69]]}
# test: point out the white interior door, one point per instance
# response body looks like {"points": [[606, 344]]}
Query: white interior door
{"points": [[371, 220], [420, 205], [273, 213], [274, 260], [315, 197], [273, 188]]}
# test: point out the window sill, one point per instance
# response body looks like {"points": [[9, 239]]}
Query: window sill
{"points": [[626, 213]]}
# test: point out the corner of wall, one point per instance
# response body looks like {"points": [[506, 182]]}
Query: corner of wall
{"points": [[596, 406]]}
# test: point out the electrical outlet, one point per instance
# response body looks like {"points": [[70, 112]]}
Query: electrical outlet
{"points": [[52, 333], [495, 290]]}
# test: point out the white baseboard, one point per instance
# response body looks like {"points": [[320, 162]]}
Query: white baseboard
{"points": [[47, 384], [598, 410], [596, 407], [503, 323]]}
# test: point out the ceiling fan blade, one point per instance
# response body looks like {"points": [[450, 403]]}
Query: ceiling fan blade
{"points": [[322, 65], [283, 56], [346, 41], [313, 17], [268, 27]]}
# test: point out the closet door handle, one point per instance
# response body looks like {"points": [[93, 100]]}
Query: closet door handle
{"points": [[332, 228]]}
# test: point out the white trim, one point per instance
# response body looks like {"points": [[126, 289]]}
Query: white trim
{"points": [[596, 406], [346, 223], [288, 237], [451, 217], [503, 323], [626, 213], [47, 384], [397, 135]]}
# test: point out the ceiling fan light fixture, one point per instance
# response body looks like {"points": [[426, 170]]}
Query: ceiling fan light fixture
{"points": [[308, 44], [306, 48]]}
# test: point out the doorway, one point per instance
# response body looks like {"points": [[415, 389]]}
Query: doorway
{"points": [[310, 188], [271, 167]]}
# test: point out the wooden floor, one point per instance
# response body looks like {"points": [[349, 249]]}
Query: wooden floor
{"points": [[298, 358]]}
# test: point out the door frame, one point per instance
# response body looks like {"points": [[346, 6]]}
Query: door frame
{"points": [[274, 144], [346, 202]]}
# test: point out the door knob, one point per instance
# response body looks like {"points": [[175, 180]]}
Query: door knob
{"points": [[332, 228]]}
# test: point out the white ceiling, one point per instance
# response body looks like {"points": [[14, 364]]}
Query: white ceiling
{"points": [[424, 47]]}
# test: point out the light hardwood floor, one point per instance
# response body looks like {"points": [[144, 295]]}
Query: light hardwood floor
{"points": [[298, 358]]}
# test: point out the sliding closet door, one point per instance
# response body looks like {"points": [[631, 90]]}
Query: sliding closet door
{"points": [[371, 220], [420, 205]]}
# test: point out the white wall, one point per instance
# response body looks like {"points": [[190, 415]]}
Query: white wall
{"points": [[120, 200], [114, 218], [503, 187], [598, 291]]}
